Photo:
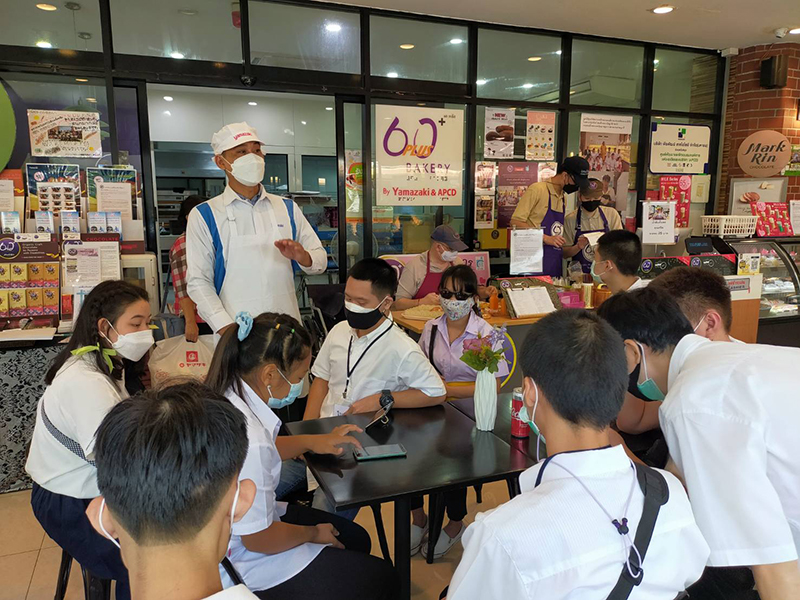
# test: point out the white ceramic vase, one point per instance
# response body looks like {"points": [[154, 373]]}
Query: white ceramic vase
{"points": [[485, 400]]}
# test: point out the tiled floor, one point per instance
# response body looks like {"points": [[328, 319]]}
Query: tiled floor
{"points": [[29, 560]]}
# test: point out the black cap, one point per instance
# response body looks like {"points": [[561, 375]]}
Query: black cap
{"points": [[576, 166], [447, 235]]}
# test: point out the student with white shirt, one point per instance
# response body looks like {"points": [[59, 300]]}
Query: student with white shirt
{"points": [[167, 467], [84, 382], [731, 419], [574, 531], [243, 246], [617, 258], [287, 551]]}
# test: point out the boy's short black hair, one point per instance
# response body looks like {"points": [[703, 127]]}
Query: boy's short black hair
{"points": [[649, 316], [166, 458], [578, 362], [623, 248], [697, 291], [378, 272]]}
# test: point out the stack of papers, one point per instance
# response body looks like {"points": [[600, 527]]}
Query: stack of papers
{"points": [[529, 302]]}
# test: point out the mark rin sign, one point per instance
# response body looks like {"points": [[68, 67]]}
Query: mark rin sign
{"points": [[764, 153]]}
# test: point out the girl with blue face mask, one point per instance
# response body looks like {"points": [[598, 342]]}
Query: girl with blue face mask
{"points": [[261, 364]]}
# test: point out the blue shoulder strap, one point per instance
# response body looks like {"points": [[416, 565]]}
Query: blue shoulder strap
{"points": [[290, 209], [219, 257]]}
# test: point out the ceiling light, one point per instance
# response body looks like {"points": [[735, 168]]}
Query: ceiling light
{"points": [[392, 75], [534, 58], [328, 108], [46, 7], [166, 112], [558, 52], [43, 44], [92, 100], [304, 123], [655, 61], [407, 46], [481, 82], [81, 79], [187, 12], [663, 9], [168, 98], [333, 27], [571, 92], [795, 31], [252, 103], [527, 86], [175, 55], [456, 41]]}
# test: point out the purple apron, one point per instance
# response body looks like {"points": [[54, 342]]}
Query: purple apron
{"points": [[552, 224], [586, 256]]}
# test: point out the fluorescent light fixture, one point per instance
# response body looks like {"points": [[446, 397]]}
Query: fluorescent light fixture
{"points": [[571, 92], [187, 12], [456, 41], [333, 27], [527, 86], [663, 9], [91, 100], [393, 75], [81, 79], [304, 123], [655, 61], [534, 58], [43, 44], [558, 52], [46, 7], [328, 108], [481, 82], [251, 103], [175, 55], [795, 31], [167, 113], [407, 46], [168, 98]]}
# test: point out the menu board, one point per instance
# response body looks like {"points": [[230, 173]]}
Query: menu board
{"points": [[678, 189], [773, 219], [540, 140]]}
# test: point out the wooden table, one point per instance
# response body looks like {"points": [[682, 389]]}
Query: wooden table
{"points": [[416, 326]]}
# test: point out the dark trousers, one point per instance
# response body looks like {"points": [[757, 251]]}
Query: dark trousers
{"points": [[350, 574], [455, 502], [724, 583], [64, 519]]}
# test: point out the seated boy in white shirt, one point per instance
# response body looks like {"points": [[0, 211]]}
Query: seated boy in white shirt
{"points": [[731, 416], [167, 468], [367, 354], [574, 530]]}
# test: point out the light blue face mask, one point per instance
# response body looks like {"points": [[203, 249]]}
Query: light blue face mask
{"points": [[648, 387], [595, 276], [525, 418], [295, 390]]}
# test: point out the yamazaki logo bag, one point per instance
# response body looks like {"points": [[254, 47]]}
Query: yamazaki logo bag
{"points": [[175, 357]]}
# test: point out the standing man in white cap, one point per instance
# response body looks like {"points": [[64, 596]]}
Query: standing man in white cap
{"points": [[243, 246]]}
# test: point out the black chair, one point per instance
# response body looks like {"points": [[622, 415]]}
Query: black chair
{"points": [[329, 299], [94, 588]]}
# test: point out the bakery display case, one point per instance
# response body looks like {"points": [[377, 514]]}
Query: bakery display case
{"points": [[779, 318]]}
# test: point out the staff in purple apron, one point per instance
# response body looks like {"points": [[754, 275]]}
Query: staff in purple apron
{"points": [[590, 217], [542, 206]]}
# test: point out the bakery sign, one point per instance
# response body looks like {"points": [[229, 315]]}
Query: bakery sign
{"points": [[764, 153]]}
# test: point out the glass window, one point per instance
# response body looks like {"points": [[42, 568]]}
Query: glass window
{"points": [[606, 74], [319, 175], [55, 25], [518, 66], [297, 37], [354, 186], [192, 29], [685, 81], [413, 49]]}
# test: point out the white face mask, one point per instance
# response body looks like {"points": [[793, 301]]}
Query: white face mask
{"points": [[103, 527], [132, 346], [449, 255], [248, 169], [233, 507]]}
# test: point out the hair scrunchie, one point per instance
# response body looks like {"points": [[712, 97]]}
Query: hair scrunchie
{"points": [[245, 322]]}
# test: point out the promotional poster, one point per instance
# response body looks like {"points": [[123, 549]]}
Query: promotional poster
{"points": [[484, 177], [540, 140], [61, 176], [97, 175], [354, 181], [679, 148], [498, 136], [513, 179], [484, 212], [65, 133], [678, 189], [606, 144]]}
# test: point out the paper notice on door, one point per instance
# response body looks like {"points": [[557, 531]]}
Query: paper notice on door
{"points": [[794, 216], [115, 196], [659, 222], [526, 251], [82, 266], [530, 301], [6, 195]]}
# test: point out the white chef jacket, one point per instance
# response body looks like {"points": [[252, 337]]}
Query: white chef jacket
{"points": [[76, 401], [238, 592], [258, 277], [395, 362], [263, 467], [554, 542], [731, 418]]}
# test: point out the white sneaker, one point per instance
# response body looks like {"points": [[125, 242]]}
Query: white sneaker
{"points": [[445, 543], [417, 536]]}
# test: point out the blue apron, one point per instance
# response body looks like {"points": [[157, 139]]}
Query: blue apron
{"points": [[552, 224], [586, 256]]}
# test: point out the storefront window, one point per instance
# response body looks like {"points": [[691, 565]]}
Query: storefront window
{"points": [[684, 81], [413, 49], [518, 66], [606, 74], [191, 30], [296, 37], [60, 25]]}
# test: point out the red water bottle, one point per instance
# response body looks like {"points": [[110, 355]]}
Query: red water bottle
{"points": [[519, 428]]}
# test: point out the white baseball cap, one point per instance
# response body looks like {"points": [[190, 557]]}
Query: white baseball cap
{"points": [[232, 135]]}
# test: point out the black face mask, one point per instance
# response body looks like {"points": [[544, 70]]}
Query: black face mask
{"points": [[571, 188], [590, 205], [366, 320]]}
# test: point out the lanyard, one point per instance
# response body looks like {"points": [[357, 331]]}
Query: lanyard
{"points": [[350, 347]]}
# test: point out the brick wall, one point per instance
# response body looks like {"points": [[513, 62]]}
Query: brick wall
{"points": [[751, 108]]}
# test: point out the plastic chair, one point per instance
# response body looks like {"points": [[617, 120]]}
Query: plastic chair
{"points": [[94, 588]]}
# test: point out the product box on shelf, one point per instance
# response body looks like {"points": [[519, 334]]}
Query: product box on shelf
{"points": [[4, 310], [29, 276], [35, 275], [34, 300], [5, 276], [17, 303]]}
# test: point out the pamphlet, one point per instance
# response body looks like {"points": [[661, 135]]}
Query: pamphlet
{"points": [[44, 221], [10, 222], [81, 266], [526, 251], [114, 223], [70, 221], [6, 195], [108, 255], [484, 212], [748, 264], [659, 223], [97, 222], [484, 177], [115, 196], [530, 301]]}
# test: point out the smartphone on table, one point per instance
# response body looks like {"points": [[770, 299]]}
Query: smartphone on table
{"points": [[379, 452]]}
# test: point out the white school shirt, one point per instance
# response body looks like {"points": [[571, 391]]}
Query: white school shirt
{"points": [[263, 467], [554, 542], [731, 418], [77, 400], [395, 362], [237, 592], [638, 284], [262, 271]]}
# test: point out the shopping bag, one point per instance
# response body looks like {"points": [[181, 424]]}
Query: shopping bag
{"points": [[175, 357]]}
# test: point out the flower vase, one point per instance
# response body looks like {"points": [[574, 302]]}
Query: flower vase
{"points": [[485, 400]]}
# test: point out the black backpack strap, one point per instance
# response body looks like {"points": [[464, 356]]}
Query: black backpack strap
{"points": [[434, 333], [228, 566], [656, 493]]}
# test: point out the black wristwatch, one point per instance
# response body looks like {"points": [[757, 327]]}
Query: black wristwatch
{"points": [[386, 398]]}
